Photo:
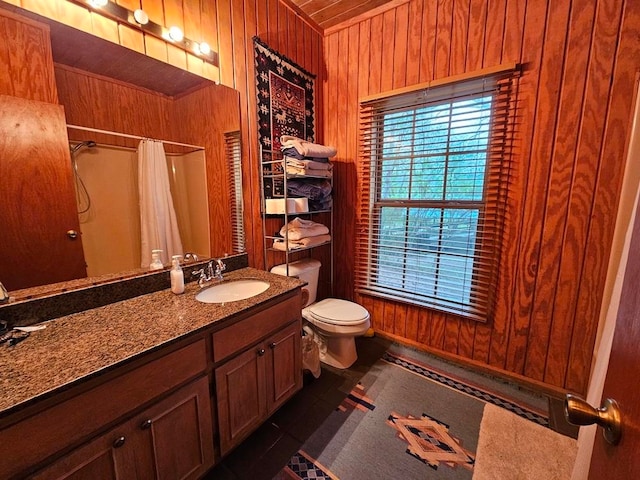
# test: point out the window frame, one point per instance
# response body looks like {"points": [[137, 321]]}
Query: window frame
{"points": [[487, 235]]}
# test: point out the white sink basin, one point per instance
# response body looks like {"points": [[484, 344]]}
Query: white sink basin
{"points": [[232, 291]]}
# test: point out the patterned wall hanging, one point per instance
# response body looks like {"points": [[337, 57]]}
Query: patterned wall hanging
{"points": [[285, 99]]}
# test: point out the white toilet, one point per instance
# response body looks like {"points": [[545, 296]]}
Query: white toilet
{"points": [[333, 323]]}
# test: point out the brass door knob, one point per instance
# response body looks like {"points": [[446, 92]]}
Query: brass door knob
{"points": [[578, 412]]}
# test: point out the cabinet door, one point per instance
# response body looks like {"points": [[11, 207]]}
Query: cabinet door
{"points": [[240, 388], [173, 439], [176, 434], [108, 457], [284, 366]]}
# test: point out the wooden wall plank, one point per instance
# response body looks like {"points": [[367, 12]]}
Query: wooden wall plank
{"points": [[428, 43], [609, 43], [374, 68], [476, 36], [399, 73], [414, 44], [511, 328], [459, 37], [542, 150], [562, 239], [444, 32], [388, 41]]}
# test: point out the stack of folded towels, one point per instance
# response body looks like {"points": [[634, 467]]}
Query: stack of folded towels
{"points": [[310, 159], [301, 233], [306, 158]]}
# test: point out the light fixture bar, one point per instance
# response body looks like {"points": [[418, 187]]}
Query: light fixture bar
{"points": [[124, 15]]}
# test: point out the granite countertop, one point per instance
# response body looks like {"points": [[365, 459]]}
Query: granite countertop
{"points": [[83, 344]]}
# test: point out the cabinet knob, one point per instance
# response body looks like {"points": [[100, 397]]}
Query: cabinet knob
{"points": [[146, 425], [261, 352], [118, 442], [272, 345], [72, 234]]}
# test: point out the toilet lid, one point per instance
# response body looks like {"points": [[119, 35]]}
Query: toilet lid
{"points": [[338, 312]]}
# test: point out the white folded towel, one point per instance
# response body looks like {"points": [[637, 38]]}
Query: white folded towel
{"points": [[307, 149], [302, 243], [299, 228], [308, 164], [293, 170]]}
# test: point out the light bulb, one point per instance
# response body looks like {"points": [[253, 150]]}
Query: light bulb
{"points": [[141, 16], [176, 34], [204, 48], [98, 3]]}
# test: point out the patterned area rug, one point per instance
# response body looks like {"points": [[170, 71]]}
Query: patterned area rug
{"points": [[404, 420]]}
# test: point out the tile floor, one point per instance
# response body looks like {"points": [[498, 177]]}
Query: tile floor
{"points": [[267, 451]]}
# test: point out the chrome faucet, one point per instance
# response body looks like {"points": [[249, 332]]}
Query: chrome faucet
{"points": [[4, 295], [210, 272], [190, 257]]}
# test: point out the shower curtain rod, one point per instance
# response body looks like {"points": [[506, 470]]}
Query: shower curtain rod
{"points": [[137, 137]]}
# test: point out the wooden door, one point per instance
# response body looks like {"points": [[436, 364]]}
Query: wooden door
{"points": [[240, 388], [177, 435], [38, 197], [621, 384], [284, 366]]}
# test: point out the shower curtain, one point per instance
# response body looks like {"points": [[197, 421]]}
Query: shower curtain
{"points": [[158, 224]]}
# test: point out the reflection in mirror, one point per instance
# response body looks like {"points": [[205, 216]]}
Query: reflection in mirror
{"points": [[107, 87], [106, 180]]}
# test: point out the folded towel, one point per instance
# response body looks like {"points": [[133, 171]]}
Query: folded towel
{"points": [[291, 152], [293, 170], [312, 188], [299, 228], [307, 164], [302, 243], [307, 149]]}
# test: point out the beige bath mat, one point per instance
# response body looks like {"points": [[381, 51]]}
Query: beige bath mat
{"points": [[512, 448]]}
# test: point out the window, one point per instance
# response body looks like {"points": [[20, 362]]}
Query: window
{"points": [[434, 168], [233, 152]]}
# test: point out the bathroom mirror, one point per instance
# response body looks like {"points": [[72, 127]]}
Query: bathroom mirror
{"points": [[108, 88]]}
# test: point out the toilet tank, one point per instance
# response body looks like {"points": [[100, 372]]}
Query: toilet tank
{"points": [[307, 270]]}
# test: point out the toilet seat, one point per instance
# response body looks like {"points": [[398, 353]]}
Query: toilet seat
{"points": [[338, 312]]}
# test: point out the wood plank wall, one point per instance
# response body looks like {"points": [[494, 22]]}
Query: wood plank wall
{"points": [[228, 26], [574, 104]]}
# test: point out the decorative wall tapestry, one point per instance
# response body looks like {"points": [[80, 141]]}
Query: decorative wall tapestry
{"points": [[285, 107]]}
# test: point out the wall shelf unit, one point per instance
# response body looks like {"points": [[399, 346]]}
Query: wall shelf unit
{"points": [[274, 186]]}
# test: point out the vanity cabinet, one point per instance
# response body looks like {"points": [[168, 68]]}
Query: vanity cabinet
{"points": [[265, 369], [157, 418], [170, 440]]}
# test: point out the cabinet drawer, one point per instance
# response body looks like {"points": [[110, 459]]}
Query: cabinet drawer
{"points": [[68, 422], [236, 337]]}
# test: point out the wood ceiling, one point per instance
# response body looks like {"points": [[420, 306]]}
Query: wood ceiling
{"points": [[328, 13]]}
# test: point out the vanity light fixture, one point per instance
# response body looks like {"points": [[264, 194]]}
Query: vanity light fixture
{"points": [[140, 19]]}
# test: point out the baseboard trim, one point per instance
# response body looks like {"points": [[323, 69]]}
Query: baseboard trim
{"points": [[536, 385]]}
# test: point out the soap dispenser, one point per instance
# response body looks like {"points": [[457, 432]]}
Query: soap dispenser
{"points": [[177, 275], [156, 262]]}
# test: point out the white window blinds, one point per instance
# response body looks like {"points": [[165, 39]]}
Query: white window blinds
{"points": [[434, 166]]}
